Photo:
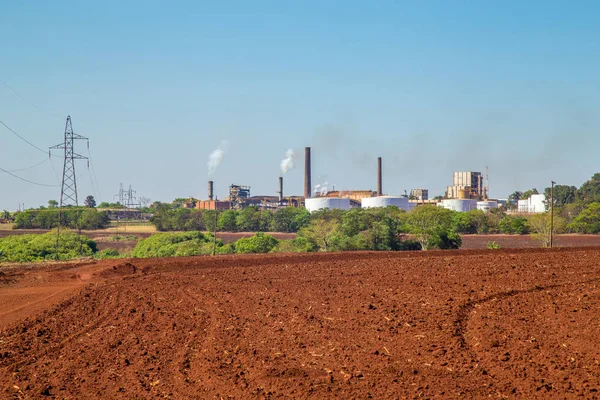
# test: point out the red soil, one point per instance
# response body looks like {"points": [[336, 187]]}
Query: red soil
{"points": [[521, 323]]}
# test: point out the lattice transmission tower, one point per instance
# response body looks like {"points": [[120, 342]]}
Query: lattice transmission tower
{"points": [[68, 191]]}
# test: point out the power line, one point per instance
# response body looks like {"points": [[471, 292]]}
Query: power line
{"points": [[94, 173], [26, 180], [28, 168], [27, 101], [22, 138]]}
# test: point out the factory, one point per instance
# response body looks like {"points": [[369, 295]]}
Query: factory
{"points": [[466, 193]]}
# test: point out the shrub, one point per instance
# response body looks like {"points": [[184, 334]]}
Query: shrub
{"points": [[259, 243], [493, 245], [107, 253], [175, 244], [28, 248]]}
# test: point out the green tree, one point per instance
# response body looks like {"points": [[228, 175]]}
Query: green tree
{"points": [[227, 221], [563, 195], [259, 243], [248, 220], [321, 233], [52, 203], [513, 225], [589, 192], [588, 220], [426, 223], [540, 227], [90, 201], [527, 194]]}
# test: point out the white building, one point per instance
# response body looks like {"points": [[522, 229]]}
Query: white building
{"points": [[535, 204], [460, 205]]}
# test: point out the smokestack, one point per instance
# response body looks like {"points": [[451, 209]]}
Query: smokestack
{"points": [[379, 188], [280, 189], [210, 190], [307, 183]]}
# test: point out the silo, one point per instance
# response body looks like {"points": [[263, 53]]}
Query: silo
{"points": [[460, 205], [384, 201], [320, 203]]}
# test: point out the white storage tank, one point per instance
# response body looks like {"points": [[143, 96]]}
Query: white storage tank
{"points": [[460, 205], [319, 203], [384, 201], [486, 205]]}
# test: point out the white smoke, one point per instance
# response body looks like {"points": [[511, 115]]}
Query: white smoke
{"points": [[321, 189], [215, 158], [289, 161]]}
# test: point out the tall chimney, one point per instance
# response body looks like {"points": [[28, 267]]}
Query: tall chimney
{"points": [[210, 190], [307, 183], [379, 188], [280, 189]]}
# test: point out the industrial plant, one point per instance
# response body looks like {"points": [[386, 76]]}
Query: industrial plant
{"points": [[469, 191]]}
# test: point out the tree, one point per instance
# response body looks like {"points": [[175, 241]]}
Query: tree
{"points": [[227, 221], [563, 194], [588, 220], [321, 233], [428, 222], [527, 194], [52, 203], [515, 197], [90, 202], [539, 225], [589, 192]]}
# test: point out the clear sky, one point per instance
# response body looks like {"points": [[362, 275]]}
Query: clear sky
{"points": [[431, 86]]}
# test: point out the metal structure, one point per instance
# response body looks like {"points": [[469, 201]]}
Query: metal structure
{"points": [[385, 201], [280, 191], [379, 178], [68, 191], [319, 203], [211, 192], [307, 173], [460, 205], [238, 196]]}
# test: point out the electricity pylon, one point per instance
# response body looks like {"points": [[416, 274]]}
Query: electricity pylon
{"points": [[68, 191]]}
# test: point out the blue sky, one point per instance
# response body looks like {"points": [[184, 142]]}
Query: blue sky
{"points": [[432, 87]]}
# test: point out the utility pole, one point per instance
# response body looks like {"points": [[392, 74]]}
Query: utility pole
{"points": [[215, 231], [552, 213]]}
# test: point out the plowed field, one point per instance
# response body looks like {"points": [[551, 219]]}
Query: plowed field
{"points": [[503, 324]]}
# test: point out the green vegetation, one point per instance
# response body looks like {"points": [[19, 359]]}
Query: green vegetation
{"points": [[176, 244], [73, 218], [28, 248], [259, 243], [493, 245]]}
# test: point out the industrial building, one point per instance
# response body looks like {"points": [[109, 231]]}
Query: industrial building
{"points": [[534, 204], [419, 194], [466, 185]]}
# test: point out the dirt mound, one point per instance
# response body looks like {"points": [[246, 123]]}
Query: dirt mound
{"points": [[475, 324], [5, 279], [125, 268]]}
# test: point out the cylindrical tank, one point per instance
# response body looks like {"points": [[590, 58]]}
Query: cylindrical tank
{"points": [[319, 203], [384, 201], [463, 193], [460, 205], [486, 205]]}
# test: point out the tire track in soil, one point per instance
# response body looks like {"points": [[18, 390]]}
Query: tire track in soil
{"points": [[465, 310]]}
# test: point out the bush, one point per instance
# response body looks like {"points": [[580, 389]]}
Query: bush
{"points": [[175, 244], [107, 253], [445, 239], [513, 225], [73, 218], [28, 248], [259, 243], [493, 245]]}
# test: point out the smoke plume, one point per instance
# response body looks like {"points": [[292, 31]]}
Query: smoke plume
{"points": [[289, 161], [215, 158]]}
